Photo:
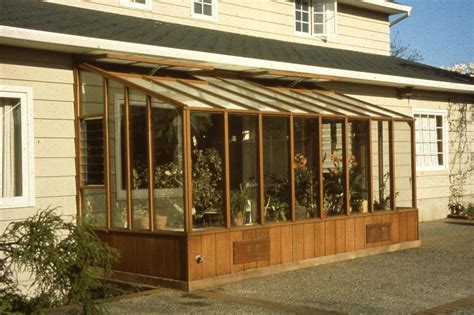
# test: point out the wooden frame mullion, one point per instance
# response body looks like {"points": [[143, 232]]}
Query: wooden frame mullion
{"points": [[187, 165], [261, 174], [292, 169], [413, 163], [228, 210], [380, 157], [77, 112], [128, 157], [370, 182], [151, 163], [320, 166], [345, 158], [108, 194], [391, 137]]}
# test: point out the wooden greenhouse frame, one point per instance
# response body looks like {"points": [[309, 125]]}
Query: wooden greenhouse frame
{"points": [[195, 258]]}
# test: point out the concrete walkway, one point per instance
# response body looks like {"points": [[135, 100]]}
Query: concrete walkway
{"points": [[436, 278]]}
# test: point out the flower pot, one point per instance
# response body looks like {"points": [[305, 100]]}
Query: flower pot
{"points": [[160, 222], [140, 223], [239, 219]]}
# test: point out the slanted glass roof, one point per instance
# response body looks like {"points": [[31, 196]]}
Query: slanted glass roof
{"points": [[213, 92]]}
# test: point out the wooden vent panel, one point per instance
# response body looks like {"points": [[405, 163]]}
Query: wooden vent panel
{"points": [[251, 250], [378, 232]]}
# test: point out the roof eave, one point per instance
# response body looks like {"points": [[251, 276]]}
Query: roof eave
{"points": [[87, 45], [379, 6]]}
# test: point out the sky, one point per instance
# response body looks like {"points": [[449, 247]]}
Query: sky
{"points": [[442, 31]]}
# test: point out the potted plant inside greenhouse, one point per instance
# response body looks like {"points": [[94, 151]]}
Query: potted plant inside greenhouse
{"points": [[240, 204]]}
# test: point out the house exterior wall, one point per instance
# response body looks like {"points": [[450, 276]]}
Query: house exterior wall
{"points": [[358, 29], [50, 76], [433, 187]]}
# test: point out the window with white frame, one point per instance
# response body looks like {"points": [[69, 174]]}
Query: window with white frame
{"points": [[431, 139], [137, 4], [204, 9], [16, 147], [315, 17]]}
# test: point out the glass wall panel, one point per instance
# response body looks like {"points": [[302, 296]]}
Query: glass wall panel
{"points": [[306, 167], [358, 148], [207, 145], [92, 149], [168, 168], [333, 166], [403, 167], [243, 164], [118, 177], [381, 165], [139, 160], [276, 168]]}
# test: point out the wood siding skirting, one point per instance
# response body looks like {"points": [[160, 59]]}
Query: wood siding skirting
{"points": [[174, 257]]}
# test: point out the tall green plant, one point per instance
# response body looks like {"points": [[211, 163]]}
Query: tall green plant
{"points": [[57, 255]]}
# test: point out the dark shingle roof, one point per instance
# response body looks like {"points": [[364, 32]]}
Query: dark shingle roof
{"points": [[30, 14]]}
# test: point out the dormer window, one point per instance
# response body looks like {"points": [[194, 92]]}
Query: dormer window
{"points": [[315, 17], [137, 4], [204, 9]]}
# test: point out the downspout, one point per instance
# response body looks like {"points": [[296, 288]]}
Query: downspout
{"points": [[401, 18]]}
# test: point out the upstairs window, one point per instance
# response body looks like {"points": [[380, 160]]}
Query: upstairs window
{"points": [[16, 147], [137, 4], [431, 140], [316, 17], [204, 9]]}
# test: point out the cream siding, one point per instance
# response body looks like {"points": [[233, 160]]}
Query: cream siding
{"points": [[358, 29], [432, 186], [51, 78]]}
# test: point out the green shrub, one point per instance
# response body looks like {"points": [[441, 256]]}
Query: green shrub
{"points": [[57, 255]]}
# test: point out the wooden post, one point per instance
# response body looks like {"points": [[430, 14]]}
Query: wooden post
{"points": [[261, 169], [370, 183], [320, 166], [413, 163], [107, 154], [228, 212], [187, 165], [392, 152], [128, 159], [151, 163], [292, 170], [346, 160], [380, 158], [77, 128]]}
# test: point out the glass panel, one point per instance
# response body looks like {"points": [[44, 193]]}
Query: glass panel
{"points": [[10, 148], [207, 10], [276, 168], [306, 168], [243, 164], [92, 93], [207, 141], [139, 158], [92, 151], [319, 106], [197, 8], [358, 148], [94, 207], [168, 171], [204, 96], [381, 165], [403, 169], [118, 177], [333, 166]]}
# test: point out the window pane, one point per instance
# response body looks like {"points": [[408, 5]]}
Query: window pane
{"points": [[358, 149], [318, 28], [92, 93], [168, 171], [92, 151], [94, 207], [118, 176], [276, 168], [139, 160], [381, 165], [10, 148], [306, 168], [298, 27], [207, 140], [243, 164], [403, 174], [333, 166], [197, 8], [207, 10], [305, 28]]}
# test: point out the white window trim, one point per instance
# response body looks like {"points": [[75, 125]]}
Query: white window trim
{"points": [[311, 23], [444, 114], [212, 18], [25, 94], [134, 5]]}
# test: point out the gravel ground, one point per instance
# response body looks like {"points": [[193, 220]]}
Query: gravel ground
{"points": [[441, 271]]}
